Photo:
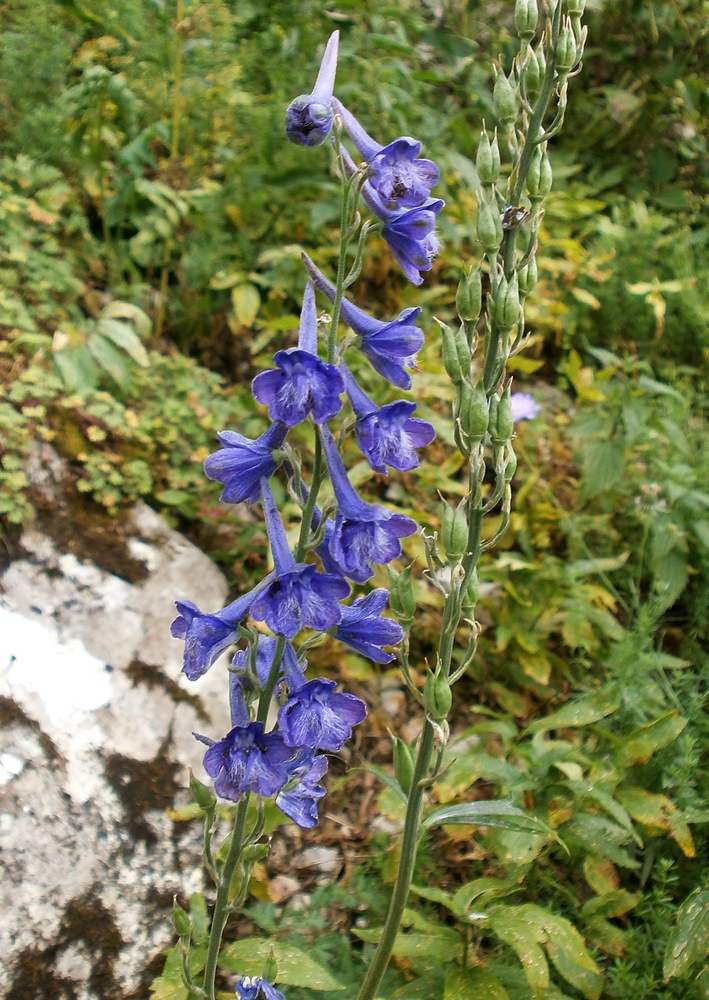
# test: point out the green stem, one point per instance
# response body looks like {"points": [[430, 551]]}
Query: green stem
{"points": [[406, 869], [306, 523], [221, 905]]}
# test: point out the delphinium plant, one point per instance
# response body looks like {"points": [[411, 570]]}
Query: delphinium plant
{"points": [[341, 538]]}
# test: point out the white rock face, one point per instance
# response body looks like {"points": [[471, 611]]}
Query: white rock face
{"points": [[96, 726]]}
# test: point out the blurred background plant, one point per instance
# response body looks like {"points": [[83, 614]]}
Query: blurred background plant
{"points": [[152, 218]]}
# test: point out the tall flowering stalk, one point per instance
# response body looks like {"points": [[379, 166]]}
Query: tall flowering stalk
{"points": [[309, 589]]}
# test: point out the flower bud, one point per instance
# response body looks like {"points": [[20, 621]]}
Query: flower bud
{"points": [[535, 74], [468, 298], [201, 794], [526, 19], [437, 696], [510, 464], [270, 968], [401, 596], [254, 853], [403, 764], [454, 530], [527, 278], [449, 353], [473, 412], [471, 592], [181, 921], [489, 227], [504, 101], [487, 162], [539, 176], [507, 303], [565, 54], [501, 421]]}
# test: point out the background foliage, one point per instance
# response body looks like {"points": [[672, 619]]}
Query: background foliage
{"points": [[152, 217]]}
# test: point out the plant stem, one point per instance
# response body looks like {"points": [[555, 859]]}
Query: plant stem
{"points": [[406, 868], [221, 905]]}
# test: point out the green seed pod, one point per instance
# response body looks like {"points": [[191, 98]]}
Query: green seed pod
{"points": [[201, 794], [270, 968], [401, 596], [527, 278], [502, 424], [463, 349], [437, 696], [454, 530], [511, 464], [471, 592], [487, 162], [540, 176], [181, 921], [449, 353], [254, 853], [403, 764], [507, 303], [526, 19], [565, 54], [489, 227], [473, 412], [504, 102], [535, 74], [468, 298]]}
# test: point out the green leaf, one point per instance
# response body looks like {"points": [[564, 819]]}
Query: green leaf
{"points": [[602, 837], [246, 302], [295, 968], [487, 813], [639, 746], [604, 464], [689, 941], [109, 359], [77, 368], [126, 310], [473, 984], [126, 338], [582, 712]]}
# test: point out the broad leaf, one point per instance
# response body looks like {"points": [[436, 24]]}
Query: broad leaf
{"points": [[295, 968], [689, 941], [582, 712], [126, 338], [473, 984], [246, 302], [488, 813], [639, 746], [110, 359]]}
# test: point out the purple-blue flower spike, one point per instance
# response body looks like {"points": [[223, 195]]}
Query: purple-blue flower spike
{"points": [[241, 463], [395, 173], [309, 117], [363, 533], [390, 348], [247, 759], [301, 803], [409, 233], [318, 717], [363, 628], [301, 383], [387, 435], [293, 670], [237, 702], [206, 636], [298, 596]]}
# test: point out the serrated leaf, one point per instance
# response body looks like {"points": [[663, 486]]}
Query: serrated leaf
{"points": [[487, 813], [126, 338], [689, 941], [246, 302], [473, 984], [295, 968]]}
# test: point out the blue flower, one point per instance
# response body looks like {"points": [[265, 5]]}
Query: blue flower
{"points": [[309, 117], [318, 717], [395, 173], [390, 348], [387, 435], [299, 595], [301, 383], [241, 463], [363, 533], [409, 232], [301, 802], [265, 649], [363, 628], [208, 636], [247, 759], [524, 406], [254, 987]]}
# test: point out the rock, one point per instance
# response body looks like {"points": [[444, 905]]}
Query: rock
{"points": [[96, 725]]}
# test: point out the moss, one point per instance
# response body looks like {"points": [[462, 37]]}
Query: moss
{"points": [[12, 714], [141, 786], [153, 677]]}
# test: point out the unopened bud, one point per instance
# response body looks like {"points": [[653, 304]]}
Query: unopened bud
{"points": [[403, 764], [539, 175], [565, 54], [473, 412], [449, 354], [454, 529], [528, 276], [489, 227], [504, 101], [501, 422], [201, 794], [270, 968], [181, 921], [507, 303], [254, 853], [471, 592], [526, 18], [535, 74], [468, 298], [437, 696], [401, 596], [510, 464], [487, 162]]}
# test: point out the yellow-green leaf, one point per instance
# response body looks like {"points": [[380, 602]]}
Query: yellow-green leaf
{"points": [[295, 968], [473, 984], [246, 302]]}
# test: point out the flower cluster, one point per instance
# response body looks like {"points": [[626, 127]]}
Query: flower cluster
{"points": [[308, 589]]}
